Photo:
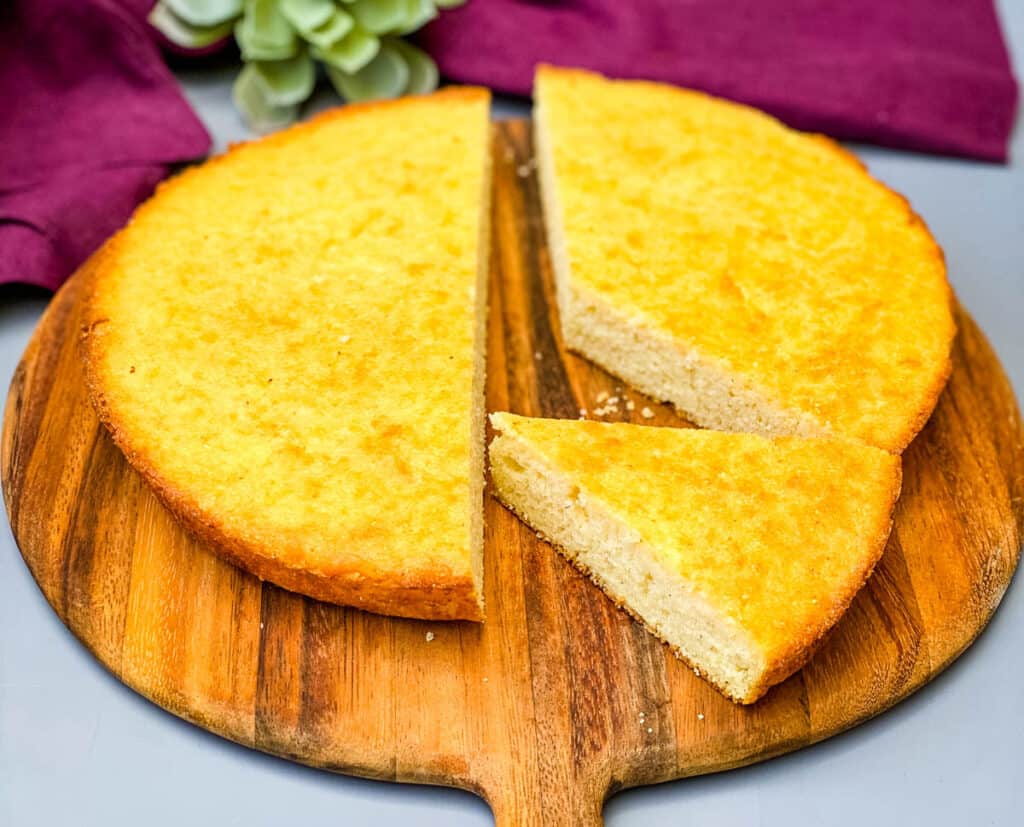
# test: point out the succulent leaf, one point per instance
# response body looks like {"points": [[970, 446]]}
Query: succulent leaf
{"points": [[423, 75], [264, 33], [350, 54], [386, 76], [307, 15], [338, 25], [286, 82], [204, 13], [185, 34], [251, 100], [417, 14], [359, 41], [379, 16]]}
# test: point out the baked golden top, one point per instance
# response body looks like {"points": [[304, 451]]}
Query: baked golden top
{"points": [[770, 250], [283, 341], [778, 534]]}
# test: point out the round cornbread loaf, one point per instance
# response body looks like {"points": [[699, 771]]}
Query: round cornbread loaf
{"points": [[756, 277], [287, 342]]}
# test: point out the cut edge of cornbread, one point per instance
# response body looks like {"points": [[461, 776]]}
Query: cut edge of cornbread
{"points": [[477, 470], [592, 538], [705, 390], [701, 388], [421, 594]]}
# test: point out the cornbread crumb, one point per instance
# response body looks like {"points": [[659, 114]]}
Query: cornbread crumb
{"points": [[646, 413], [700, 716], [430, 636], [717, 544], [831, 310], [289, 445]]}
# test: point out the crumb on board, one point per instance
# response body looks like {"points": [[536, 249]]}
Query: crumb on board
{"points": [[647, 413], [603, 395], [630, 404], [430, 636], [650, 729], [700, 716]]}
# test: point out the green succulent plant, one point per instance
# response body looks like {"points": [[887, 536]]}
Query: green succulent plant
{"points": [[283, 42]]}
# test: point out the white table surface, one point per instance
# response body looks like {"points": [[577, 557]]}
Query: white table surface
{"points": [[77, 747]]}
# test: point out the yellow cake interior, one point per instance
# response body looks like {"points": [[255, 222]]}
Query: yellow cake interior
{"points": [[289, 342], [756, 277], [738, 550]]}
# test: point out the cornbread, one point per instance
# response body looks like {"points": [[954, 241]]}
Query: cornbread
{"points": [[740, 551], [287, 342], [757, 278]]}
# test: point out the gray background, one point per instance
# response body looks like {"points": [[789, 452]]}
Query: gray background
{"points": [[78, 747]]}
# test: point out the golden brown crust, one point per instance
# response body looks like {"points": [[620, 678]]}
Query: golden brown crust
{"points": [[803, 647], [455, 93], [415, 594], [905, 374], [915, 422], [786, 608], [439, 594]]}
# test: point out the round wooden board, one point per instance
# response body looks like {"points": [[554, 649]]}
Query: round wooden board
{"points": [[538, 709]]}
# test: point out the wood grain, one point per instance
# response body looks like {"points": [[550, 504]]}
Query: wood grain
{"points": [[539, 709]]}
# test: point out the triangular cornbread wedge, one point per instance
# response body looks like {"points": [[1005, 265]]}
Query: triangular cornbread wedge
{"points": [[740, 551], [756, 277], [287, 342]]}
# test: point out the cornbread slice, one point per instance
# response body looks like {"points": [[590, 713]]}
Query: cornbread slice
{"points": [[740, 551], [287, 342], [756, 277]]}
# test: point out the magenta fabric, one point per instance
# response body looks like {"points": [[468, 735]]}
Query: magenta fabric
{"points": [[90, 120], [929, 75]]}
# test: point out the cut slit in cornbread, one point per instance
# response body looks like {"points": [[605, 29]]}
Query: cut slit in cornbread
{"points": [[287, 342], [740, 551], [755, 277]]}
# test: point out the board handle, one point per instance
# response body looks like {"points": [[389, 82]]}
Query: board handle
{"points": [[566, 810]]}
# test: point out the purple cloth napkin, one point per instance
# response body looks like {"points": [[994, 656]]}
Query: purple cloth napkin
{"points": [[90, 120], [931, 75]]}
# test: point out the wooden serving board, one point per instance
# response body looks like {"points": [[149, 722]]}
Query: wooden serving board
{"points": [[558, 700]]}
